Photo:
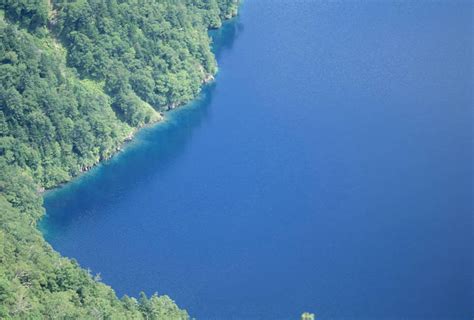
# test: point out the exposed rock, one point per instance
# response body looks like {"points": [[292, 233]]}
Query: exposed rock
{"points": [[208, 78]]}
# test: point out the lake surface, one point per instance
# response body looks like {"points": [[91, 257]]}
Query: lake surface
{"points": [[329, 169]]}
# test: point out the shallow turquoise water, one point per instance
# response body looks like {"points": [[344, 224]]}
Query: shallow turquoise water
{"points": [[329, 169]]}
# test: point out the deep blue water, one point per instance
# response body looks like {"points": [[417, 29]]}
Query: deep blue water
{"points": [[329, 169]]}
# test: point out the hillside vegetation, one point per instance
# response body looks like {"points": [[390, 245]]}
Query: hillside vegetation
{"points": [[78, 78]]}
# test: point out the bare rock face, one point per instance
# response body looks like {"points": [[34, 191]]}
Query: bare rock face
{"points": [[208, 78]]}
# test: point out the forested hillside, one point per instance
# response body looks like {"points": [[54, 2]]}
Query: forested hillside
{"points": [[77, 79]]}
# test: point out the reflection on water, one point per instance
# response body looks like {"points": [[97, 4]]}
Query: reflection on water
{"points": [[224, 37], [328, 170], [155, 147]]}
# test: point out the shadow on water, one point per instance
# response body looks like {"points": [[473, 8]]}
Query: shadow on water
{"points": [[151, 154], [224, 37]]}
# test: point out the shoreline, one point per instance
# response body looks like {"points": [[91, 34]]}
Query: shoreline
{"points": [[79, 104], [206, 81], [164, 118]]}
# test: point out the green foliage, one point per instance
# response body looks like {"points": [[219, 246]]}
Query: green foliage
{"points": [[308, 316], [146, 51], [36, 283], [77, 79], [31, 14], [147, 56], [53, 125]]}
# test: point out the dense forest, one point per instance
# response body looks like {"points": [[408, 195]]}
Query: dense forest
{"points": [[78, 78]]}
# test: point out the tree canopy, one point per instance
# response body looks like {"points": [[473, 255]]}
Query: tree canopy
{"points": [[78, 78]]}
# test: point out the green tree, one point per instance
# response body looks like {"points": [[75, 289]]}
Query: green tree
{"points": [[78, 78]]}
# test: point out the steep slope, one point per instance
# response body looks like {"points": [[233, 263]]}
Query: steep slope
{"points": [[78, 78]]}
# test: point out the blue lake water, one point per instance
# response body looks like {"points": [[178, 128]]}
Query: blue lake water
{"points": [[329, 169]]}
